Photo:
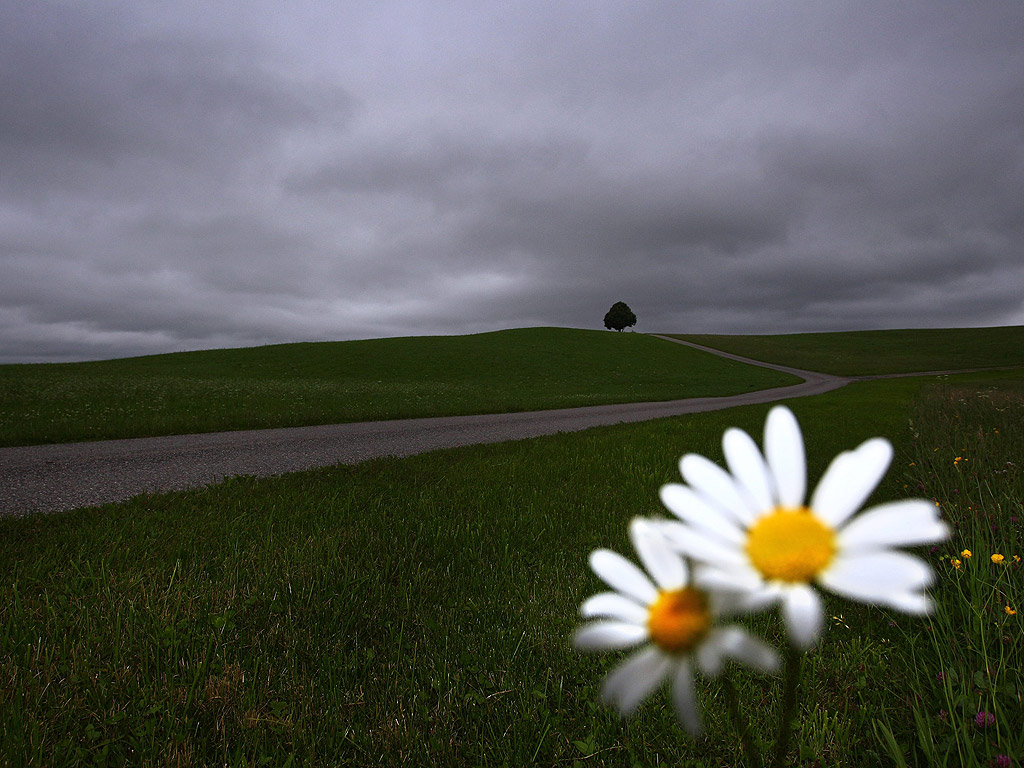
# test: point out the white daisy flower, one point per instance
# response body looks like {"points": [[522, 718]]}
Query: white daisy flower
{"points": [[753, 534], [675, 623]]}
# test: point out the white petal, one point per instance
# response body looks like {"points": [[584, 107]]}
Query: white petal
{"points": [[784, 450], [871, 576], [748, 467], [716, 486], [710, 654], [730, 594], [618, 573], [608, 636], [701, 547], [744, 647], [684, 698], [633, 680], [667, 568], [691, 508], [850, 479], [753, 602], [612, 605], [904, 523], [910, 602], [737, 643], [732, 579], [801, 608]]}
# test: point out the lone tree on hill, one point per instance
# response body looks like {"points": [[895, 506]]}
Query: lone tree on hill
{"points": [[619, 316]]}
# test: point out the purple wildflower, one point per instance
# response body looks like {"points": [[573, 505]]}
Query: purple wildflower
{"points": [[984, 719]]}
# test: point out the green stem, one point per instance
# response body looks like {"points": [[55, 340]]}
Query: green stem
{"points": [[750, 752], [788, 705]]}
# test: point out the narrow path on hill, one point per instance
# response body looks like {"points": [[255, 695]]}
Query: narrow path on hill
{"points": [[55, 478]]}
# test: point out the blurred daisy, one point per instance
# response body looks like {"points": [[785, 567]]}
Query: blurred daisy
{"points": [[753, 534], [675, 623]]}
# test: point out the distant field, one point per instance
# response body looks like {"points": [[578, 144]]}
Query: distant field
{"points": [[331, 382], [866, 352]]}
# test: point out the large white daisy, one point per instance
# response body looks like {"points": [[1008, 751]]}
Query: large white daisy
{"points": [[675, 623], [752, 533]]}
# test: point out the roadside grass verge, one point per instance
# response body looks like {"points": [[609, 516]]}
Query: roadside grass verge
{"points": [[858, 353], [418, 611], [293, 385]]}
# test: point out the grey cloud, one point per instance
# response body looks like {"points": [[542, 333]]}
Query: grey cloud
{"points": [[85, 97], [171, 181]]}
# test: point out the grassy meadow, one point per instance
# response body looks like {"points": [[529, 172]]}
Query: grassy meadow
{"points": [[858, 353], [418, 611], [292, 385]]}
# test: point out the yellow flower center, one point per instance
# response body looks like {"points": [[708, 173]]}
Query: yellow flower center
{"points": [[679, 619], [790, 544]]}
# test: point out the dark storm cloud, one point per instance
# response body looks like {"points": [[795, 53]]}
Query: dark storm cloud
{"points": [[170, 181], [85, 88]]}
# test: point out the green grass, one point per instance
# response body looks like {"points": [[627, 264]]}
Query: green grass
{"points": [[965, 453], [320, 383], [859, 353], [417, 611]]}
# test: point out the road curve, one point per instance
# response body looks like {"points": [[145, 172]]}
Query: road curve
{"points": [[55, 478]]}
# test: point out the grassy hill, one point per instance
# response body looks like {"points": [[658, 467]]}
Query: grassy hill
{"points": [[858, 353], [331, 382]]}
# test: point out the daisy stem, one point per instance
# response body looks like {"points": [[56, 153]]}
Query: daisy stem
{"points": [[793, 655], [750, 753]]}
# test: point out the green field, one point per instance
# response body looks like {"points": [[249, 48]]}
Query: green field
{"points": [[294, 385], [859, 353], [418, 611]]}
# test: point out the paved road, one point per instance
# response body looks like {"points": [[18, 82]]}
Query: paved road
{"points": [[54, 478]]}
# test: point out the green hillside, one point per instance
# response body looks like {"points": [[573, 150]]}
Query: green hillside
{"points": [[856, 353], [331, 382]]}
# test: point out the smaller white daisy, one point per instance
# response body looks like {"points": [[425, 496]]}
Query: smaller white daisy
{"points": [[752, 533], [675, 622]]}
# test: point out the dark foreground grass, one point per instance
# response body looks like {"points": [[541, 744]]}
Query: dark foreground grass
{"points": [[418, 612], [294, 385], [858, 353]]}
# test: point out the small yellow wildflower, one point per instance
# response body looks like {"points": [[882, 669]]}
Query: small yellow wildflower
{"points": [[1010, 611], [997, 558], [967, 554], [1016, 558], [955, 563]]}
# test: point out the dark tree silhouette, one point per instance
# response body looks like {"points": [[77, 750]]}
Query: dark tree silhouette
{"points": [[619, 316]]}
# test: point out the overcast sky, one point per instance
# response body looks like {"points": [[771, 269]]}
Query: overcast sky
{"points": [[180, 175]]}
